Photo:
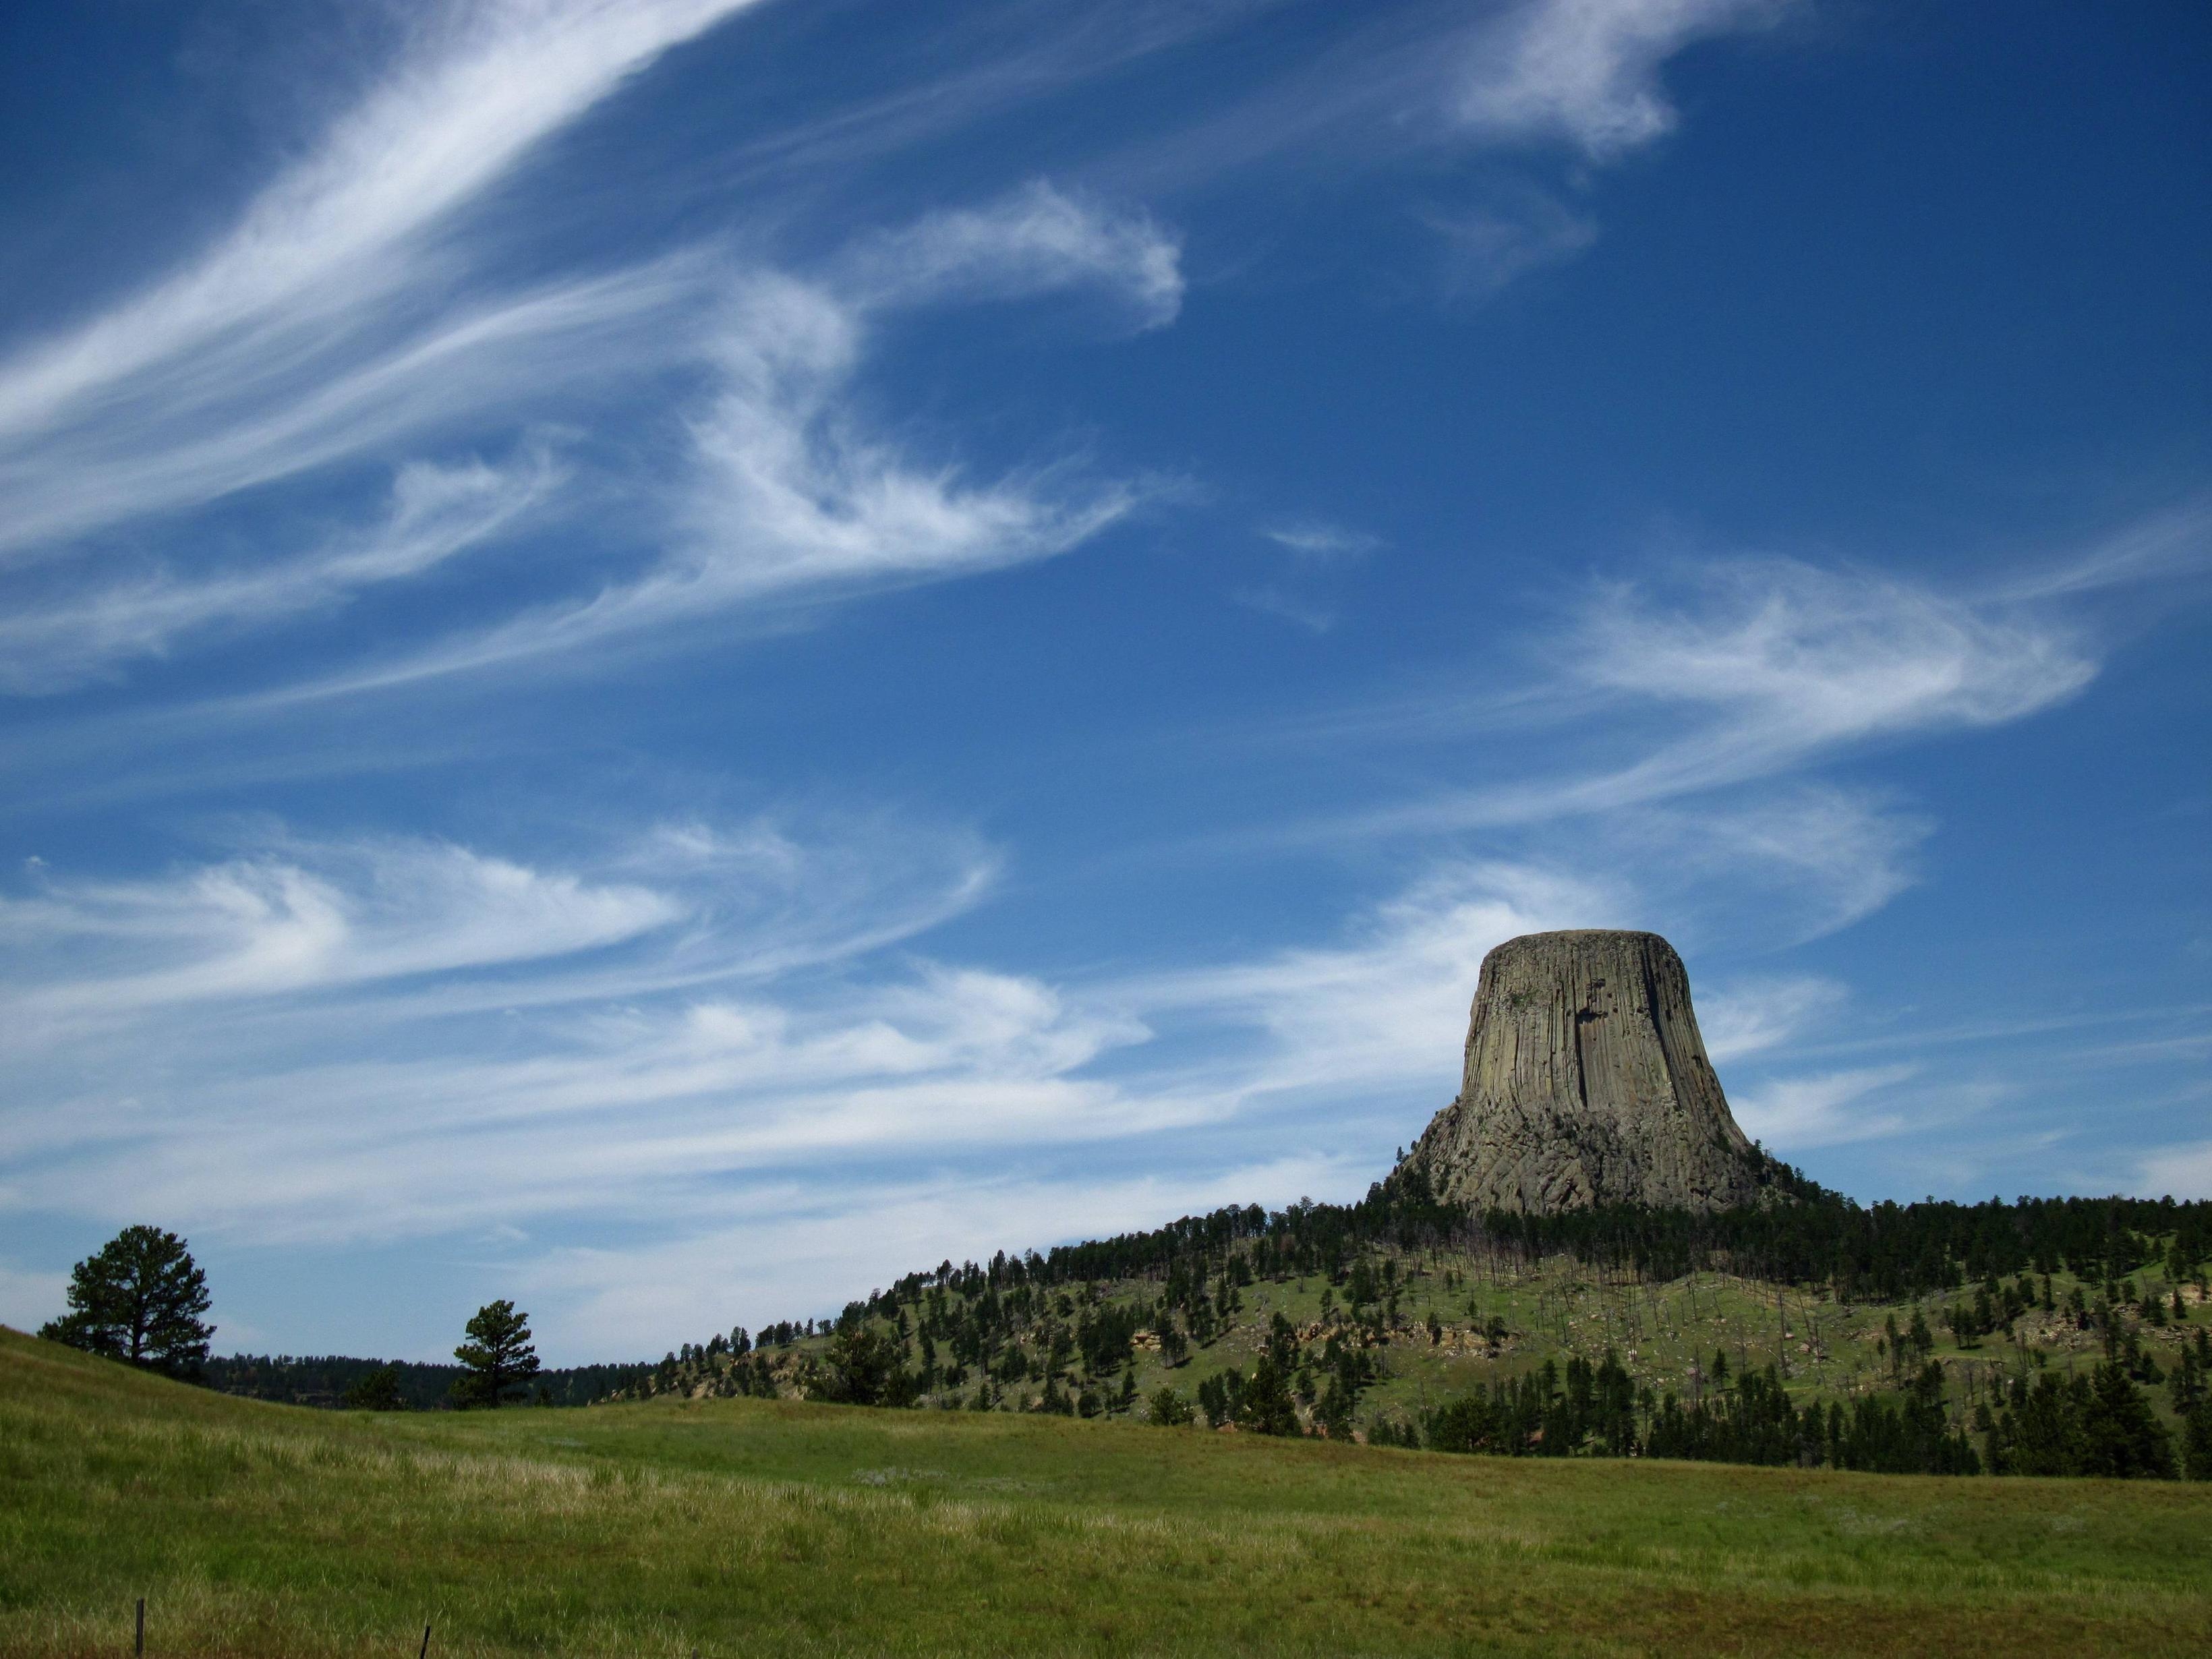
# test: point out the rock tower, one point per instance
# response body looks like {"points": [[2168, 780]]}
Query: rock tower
{"points": [[1587, 1083]]}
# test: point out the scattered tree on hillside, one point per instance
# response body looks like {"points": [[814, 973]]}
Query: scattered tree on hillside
{"points": [[2196, 1440], [139, 1299], [378, 1391], [2121, 1437], [1169, 1409], [498, 1354], [1333, 1411], [863, 1366], [1217, 1397], [1266, 1407]]}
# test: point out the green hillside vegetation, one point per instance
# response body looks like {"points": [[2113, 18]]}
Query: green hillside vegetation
{"points": [[740, 1525], [2066, 1337]]}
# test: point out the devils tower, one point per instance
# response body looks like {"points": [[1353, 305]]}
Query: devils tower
{"points": [[1586, 1082]]}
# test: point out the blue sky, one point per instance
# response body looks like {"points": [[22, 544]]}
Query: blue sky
{"points": [[669, 658]]}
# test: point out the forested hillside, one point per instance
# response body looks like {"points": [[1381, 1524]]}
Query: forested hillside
{"points": [[341, 1380], [2052, 1336]]}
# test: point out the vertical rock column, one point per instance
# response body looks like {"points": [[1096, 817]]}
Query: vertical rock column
{"points": [[1586, 1082]]}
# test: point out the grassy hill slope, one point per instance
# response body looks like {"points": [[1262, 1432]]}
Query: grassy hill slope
{"points": [[751, 1526]]}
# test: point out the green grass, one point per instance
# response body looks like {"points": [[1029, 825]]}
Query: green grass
{"points": [[746, 1527]]}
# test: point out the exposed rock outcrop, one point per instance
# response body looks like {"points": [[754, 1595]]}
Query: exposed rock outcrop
{"points": [[1587, 1083]]}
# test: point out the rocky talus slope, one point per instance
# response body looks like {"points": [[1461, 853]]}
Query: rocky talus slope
{"points": [[1586, 1082]]}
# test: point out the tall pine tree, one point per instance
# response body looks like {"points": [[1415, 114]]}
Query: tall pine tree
{"points": [[138, 1299]]}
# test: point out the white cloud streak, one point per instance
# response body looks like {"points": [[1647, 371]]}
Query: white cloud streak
{"points": [[1753, 1017], [1786, 662], [1587, 72], [341, 318], [488, 363], [298, 919], [1799, 860], [1795, 1115], [345, 318], [1750, 670], [1390, 1007], [344, 225], [1319, 542], [1034, 240], [789, 497], [2176, 542], [320, 1041], [435, 513], [317, 1041]]}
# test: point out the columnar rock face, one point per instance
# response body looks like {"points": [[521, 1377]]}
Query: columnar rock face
{"points": [[1587, 1083]]}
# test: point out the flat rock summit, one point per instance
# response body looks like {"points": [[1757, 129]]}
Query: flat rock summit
{"points": [[1586, 1082]]}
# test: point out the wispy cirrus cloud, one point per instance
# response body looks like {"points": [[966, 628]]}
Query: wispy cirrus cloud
{"points": [[1670, 729], [292, 921], [418, 1039], [339, 313], [435, 928], [1775, 663], [787, 495], [348, 315], [1737, 670], [1789, 861], [1587, 72], [1319, 541], [1035, 240], [1317, 547], [1753, 1017], [315, 1041], [435, 511], [355, 318], [1387, 1005], [1798, 1114]]}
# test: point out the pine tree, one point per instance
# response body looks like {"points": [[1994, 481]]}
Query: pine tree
{"points": [[498, 1354], [2123, 1437], [1168, 1409], [1334, 1413], [1266, 1407], [2197, 1440], [864, 1366], [377, 1391], [1213, 1398], [138, 1299]]}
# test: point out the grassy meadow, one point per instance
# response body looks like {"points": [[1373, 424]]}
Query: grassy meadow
{"points": [[751, 1527]]}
